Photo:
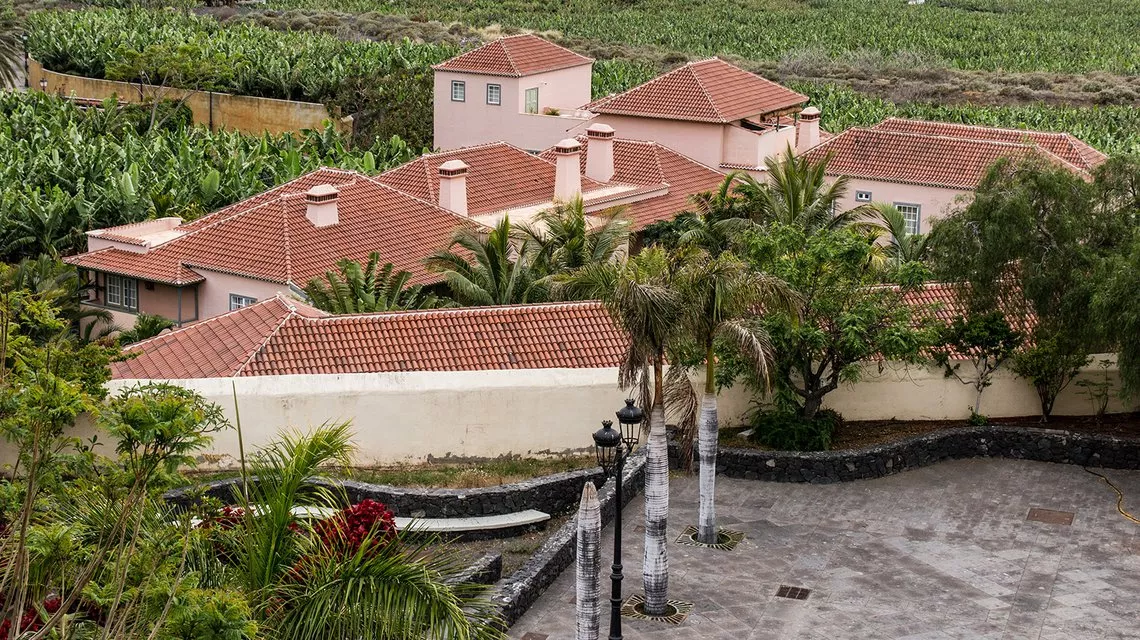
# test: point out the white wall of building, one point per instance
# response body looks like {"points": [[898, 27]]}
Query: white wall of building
{"points": [[413, 416]]}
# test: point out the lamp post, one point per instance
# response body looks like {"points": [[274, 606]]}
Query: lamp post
{"points": [[613, 448], [43, 84]]}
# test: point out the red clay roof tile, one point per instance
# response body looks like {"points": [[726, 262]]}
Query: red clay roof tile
{"points": [[705, 91], [282, 337], [515, 56], [928, 160]]}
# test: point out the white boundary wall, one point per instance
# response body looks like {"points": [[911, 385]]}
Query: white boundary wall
{"points": [[411, 416]]}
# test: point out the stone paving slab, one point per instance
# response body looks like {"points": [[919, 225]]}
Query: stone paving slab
{"points": [[943, 552]]}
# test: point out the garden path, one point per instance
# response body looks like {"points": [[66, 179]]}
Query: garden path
{"points": [[941, 552]]}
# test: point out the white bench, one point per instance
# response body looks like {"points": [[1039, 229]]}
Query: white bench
{"points": [[436, 525]]}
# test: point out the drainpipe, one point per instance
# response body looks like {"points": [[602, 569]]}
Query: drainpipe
{"points": [[179, 306]]}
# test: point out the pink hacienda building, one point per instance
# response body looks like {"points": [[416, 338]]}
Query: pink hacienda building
{"points": [[275, 242], [532, 93]]}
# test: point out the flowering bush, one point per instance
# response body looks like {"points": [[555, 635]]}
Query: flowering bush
{"points": [[225, 519], [348, 530], [31, 620]]}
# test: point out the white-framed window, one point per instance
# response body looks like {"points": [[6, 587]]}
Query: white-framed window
{"points": [[458, 91], [531, 105], [495, 94], [240, 302], [122, 292], [912, 215], [862, 196]]}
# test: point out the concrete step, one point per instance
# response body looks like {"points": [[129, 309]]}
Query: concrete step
{"points": [[479, 523]]}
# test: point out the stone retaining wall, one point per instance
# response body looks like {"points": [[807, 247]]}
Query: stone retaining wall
{"points": [[554, 494], [518, 592], [1042, 445]]}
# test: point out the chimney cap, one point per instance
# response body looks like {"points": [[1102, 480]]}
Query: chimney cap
{"points": [[453, 168], [568, 146], [810, 113], [321, 193], [599, 130]]}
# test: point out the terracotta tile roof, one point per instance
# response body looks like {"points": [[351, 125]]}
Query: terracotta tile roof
{"points": [[649, 163], [928, 160], [269, 238], [215, 348], [499, 176], [942, 299], [283, 337], [1063, 145], [706, 91], [515, 56]]}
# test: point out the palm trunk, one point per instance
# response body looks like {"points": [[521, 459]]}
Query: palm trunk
{"points": [[655, 565], [589, 564], [707, 435]]}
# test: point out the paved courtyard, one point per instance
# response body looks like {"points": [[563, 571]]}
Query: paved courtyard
{"points": [[942, 552]]}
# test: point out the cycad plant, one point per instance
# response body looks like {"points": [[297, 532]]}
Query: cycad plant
{"points": [[486, 268], [640, 295], [354, 288], [721, 294]]}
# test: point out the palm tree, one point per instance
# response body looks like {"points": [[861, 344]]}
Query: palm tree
{"points": [[715, 217], [367, 289], [499, 274], [797, 194], [11, 52], [389, 590], [902, 246], [640, 296], [721, 293], [561, 238]]}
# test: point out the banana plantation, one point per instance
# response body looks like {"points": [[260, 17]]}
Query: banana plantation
{"points": [[66, 170]]}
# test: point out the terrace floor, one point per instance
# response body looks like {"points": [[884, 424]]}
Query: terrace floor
{"points": [[941, 552]]}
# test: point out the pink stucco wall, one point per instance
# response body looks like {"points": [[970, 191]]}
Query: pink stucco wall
{"points": [[214, 293], [160, 300], [704, 142], [935, 202], [473, 121], [743, 146]]}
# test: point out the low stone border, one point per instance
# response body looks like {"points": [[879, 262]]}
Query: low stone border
{"points": [[996, 441], [554, 494], [519, 591], [487, 569]]}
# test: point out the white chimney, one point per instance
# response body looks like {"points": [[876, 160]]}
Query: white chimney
{"points": [[600, 153], [807, 130], [568, 170], [453, 186], [320, 205]]}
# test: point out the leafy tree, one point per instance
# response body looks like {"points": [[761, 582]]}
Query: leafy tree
{"points": [[797, 193], [640, 295], [1049, 368], [986, 341], [843, 319], [561, 239], [720, 294], [366, 289], [486, 269], [1031, 243], [147, 326]]}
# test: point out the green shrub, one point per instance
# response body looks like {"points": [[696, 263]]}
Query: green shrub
{"points": [[786, 431]]}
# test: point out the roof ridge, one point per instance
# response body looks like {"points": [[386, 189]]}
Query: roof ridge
{"points": [[454, 310], [291, 313], [704, 90], [433, 205], [277, 297], [1063, 134], [507, 54]]}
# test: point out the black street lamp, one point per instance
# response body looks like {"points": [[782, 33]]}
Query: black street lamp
{"points": [[613, 448]]}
